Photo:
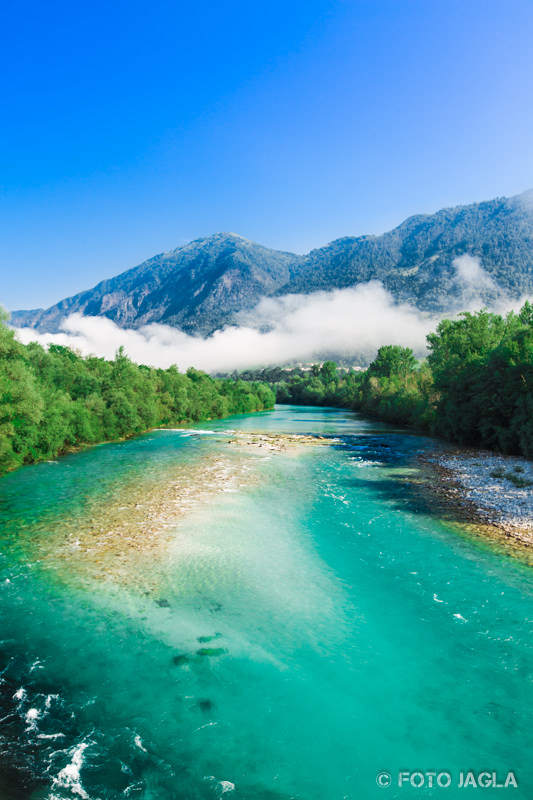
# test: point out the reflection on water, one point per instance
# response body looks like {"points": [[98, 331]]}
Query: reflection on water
{"points": [[186, 619]]}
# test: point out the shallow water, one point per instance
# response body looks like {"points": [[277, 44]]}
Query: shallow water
{"points": [[305, 624]]}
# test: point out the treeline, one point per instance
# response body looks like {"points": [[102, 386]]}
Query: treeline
{"points": [[317, 385], [474, 388], [53, 400]]}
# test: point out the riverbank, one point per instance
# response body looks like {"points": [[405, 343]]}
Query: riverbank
{"points": [[487, 488], [60, 400]]}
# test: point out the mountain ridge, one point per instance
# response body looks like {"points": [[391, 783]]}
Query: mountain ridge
{"points": [[217, 274], [203, 285]]}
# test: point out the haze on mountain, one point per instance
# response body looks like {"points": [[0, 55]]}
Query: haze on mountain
{"points": [[208, 283]]}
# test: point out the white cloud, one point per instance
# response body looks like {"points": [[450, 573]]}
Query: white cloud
{"points": [[344, 322], [300, 327], [471, 275], [478, 290]]}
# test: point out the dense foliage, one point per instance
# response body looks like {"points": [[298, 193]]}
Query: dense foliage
{"points": [[475, 388], [482, 366], [54, 400]]}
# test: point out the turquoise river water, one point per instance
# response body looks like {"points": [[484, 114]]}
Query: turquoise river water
{"points": [[274, 625]]}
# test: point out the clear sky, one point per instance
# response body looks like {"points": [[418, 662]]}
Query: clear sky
{"points": [[129, 128]]}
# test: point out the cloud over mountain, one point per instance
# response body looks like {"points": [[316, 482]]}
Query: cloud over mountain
{"points": [[224, 302], [280, 330], [351, 323]]}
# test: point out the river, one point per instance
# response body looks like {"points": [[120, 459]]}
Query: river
{"points": [[274, 625]]}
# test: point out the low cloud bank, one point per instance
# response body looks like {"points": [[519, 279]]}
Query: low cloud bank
{"points": [[283, 330], [301, 327]]}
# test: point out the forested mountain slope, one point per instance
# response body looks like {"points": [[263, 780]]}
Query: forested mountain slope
{"points": [[202, 286], [415, 260], [197, 287]]}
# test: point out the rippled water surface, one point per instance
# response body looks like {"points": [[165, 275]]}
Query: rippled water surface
{"points": [[185, 618]]}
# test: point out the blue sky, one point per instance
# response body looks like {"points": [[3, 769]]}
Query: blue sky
{"points": [[131, 128]]}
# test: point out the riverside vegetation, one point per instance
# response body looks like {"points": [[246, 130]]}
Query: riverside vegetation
{"points": [[474, 388], [53, 400]]}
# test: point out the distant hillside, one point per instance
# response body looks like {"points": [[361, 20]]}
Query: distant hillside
{"points": [[202, 286], [414, 260], [196, 287]]}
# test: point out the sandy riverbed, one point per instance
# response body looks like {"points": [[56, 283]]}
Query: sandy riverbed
{"points": [[112, 538]]}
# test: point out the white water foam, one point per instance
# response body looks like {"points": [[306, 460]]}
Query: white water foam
{"points": [[69, 776], [32, 715], [207, 725], [191, 431], [49, 698], [221, 787]]}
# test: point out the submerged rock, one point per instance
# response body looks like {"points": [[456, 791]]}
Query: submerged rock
{"points": [[211, 651], [180, 659], [204, 639]]}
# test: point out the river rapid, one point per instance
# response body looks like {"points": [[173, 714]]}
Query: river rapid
{"points": [[191, 615]]}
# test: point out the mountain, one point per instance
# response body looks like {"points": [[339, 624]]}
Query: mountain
{"points": [[202, 286], [414, 261], [197, 287]]}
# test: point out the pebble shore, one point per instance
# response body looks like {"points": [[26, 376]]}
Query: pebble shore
{"points": [[494, 489]]}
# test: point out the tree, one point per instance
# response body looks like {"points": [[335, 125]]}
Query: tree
{"points": [[52, 400], [328, 371], [393, 360]]}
